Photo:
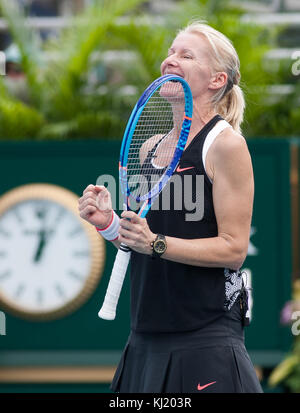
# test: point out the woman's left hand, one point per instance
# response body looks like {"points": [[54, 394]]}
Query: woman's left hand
{"points": [[135, 232]]}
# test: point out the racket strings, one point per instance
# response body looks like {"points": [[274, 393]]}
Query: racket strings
{"points": [[155, 137]]}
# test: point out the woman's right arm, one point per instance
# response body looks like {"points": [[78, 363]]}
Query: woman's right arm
{"points": [[95, 207]]}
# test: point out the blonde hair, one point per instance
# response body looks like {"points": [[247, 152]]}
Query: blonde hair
{"points": [[229, 100]]}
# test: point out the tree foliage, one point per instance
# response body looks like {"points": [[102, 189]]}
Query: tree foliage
{"points": [[86, 88]]}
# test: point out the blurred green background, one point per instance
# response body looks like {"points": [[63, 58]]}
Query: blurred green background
{"points": [[78, 80], [71, 82]]}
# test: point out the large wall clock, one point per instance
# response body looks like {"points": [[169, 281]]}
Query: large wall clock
{"points": [[51, 260]]}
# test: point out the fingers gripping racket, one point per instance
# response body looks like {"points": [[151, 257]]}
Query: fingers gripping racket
{"points": [[157, 129]]}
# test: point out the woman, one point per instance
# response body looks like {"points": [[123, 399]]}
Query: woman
{"points": [[188, 303]]}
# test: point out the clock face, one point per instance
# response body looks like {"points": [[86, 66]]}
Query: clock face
{"points": [[46, 254]]}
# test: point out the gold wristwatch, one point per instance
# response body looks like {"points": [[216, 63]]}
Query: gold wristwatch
{"points": [[159, 246]]}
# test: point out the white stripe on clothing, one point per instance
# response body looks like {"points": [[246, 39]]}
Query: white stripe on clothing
{"points": [[216, 130]]}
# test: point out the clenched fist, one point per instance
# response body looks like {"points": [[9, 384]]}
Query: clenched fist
{"points": [[95, 205]]}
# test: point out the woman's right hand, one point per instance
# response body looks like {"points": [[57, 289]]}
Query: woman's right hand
{"points": [[95, 206]]}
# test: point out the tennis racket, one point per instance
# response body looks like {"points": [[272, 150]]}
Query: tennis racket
{"points": [[154, 139]]}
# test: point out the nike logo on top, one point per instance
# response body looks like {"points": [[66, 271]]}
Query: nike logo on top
{"points": [[184, 169], [199, 387]]}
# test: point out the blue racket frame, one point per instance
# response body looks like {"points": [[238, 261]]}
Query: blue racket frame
{"points": [[129, 131]]}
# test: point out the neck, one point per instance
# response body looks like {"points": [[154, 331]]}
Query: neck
{"points": [[202, 114]]}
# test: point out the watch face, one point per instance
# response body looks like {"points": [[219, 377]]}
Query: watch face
{"points": [[47, 255], [159, 246]]}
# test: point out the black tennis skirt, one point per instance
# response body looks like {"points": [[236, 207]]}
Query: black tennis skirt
{"points": [[188, 362]]}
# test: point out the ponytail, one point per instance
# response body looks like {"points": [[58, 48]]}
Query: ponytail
{"points": [[231, 107]]}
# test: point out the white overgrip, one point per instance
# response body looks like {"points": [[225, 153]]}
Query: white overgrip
{"points": [[108, 310]]}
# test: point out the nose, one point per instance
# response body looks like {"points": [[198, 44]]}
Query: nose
{"points": [[170, 61]]}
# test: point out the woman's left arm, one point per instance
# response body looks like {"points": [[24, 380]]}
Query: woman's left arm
{"points": [[233, 191]]}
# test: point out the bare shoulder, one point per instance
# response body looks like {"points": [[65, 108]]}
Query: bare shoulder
{"points": [[229, 140], [229, 146], [228, 153]]}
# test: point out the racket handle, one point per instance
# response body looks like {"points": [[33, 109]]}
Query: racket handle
{"points": [[108, 309]]}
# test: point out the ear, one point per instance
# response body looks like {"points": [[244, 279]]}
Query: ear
{"points": [[218, 80]]}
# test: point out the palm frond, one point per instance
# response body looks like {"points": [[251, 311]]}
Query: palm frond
{"points": [[76, 44], [150, 43], [28, 44]]}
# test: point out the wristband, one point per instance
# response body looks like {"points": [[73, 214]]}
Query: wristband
{"points": [[111, 231]]}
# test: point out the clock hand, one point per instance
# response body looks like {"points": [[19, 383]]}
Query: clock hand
{"points": [[41, 245], [41, 213], [44, 238]]}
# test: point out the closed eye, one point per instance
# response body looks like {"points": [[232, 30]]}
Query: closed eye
{"points": [[185, 54]]}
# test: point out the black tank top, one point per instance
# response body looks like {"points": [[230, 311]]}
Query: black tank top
{"points": [[167, 296]]}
